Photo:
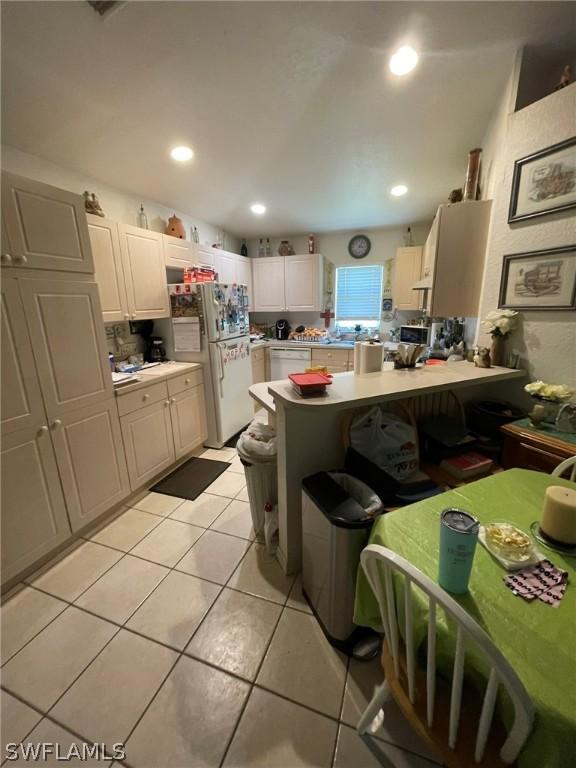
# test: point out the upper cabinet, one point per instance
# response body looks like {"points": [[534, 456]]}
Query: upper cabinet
{"points": [[144, 272], [244, 276], [108, 268], [302, 283], [268, 282], [288, 283], [407, 271], [454, 257], [179, 253], [227, 271], [43, 227]]}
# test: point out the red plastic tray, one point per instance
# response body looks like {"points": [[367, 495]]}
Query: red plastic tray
{"points": [[304, 380]]}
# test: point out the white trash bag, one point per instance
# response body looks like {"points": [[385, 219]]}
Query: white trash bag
{"points": [[387, 441], [359, 491]]}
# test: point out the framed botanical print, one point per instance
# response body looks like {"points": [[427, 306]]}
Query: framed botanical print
{"points": [[544, 182], [539, 280]]}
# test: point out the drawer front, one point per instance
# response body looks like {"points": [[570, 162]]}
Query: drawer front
{"points": [[330, 357], [525, 456], [184, 381], [132, 401]]}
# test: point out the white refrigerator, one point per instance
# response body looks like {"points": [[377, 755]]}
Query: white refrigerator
{"points": [[210, 325]]}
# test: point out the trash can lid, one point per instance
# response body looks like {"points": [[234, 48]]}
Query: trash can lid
{"points": [[334, 502]]}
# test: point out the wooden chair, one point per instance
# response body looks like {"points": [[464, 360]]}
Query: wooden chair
{"points": [[432, 706], [565, 466]]}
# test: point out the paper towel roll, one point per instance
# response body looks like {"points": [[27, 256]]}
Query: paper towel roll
{"points": [[357, 357], [371, 357]]}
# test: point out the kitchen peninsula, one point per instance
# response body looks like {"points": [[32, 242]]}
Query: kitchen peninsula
{"points": [[310, 437]]}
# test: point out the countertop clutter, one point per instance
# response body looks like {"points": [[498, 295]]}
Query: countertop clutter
{"points": [[160, 372]]}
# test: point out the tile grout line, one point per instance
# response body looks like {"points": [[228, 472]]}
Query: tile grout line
{"points": [[340, 712]]}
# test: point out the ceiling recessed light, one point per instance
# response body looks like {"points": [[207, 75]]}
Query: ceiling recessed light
{"points": [[404, 60], [181, 154], [399, 190], [258, 209]]}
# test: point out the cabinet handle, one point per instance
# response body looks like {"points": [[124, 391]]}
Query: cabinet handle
{"points": [[6, 258], [186, 381], [126, 316], [133, 315], [21, 259], [56, 423], [166, 402], [172, 400], [146, 397], [43, 429]]}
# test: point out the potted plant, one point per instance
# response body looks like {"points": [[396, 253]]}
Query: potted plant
{"points": [[501, 323], [550, 397]]}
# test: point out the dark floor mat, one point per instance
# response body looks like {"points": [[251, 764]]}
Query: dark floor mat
{"points": [[191, 479]]}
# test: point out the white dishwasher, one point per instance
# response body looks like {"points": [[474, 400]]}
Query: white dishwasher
{"points": [[284, 361]]}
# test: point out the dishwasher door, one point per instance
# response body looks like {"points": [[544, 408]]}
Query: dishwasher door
{"points": [[284, 361]]}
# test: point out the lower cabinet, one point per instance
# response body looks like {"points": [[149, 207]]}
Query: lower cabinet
{"points": [[34, 517], [148, 442], [188, 416], [89, 454], [336, 360], [258, 360]]}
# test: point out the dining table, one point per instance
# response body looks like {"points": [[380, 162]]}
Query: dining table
{"points": [[537, 639]]}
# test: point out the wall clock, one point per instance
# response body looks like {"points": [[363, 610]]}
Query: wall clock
{"points": [[359, 246]]}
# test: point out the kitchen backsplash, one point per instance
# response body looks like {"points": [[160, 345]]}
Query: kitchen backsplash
{"points": [[313, 320], [121, 343]]}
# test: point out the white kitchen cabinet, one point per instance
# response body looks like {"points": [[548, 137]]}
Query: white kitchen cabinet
{"points": [[90, 459], [227, 269], [64, 320], [45, 227], [108, 271], [22, 404], [244, 276], [454, 257], [302, 280], [34, 517], [148, 442], [268, 284], [188, 415], [407, 271], [144, 273], [179, 253], [208, 257]]}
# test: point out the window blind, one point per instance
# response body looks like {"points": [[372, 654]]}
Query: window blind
{"points": [[359, 294]]}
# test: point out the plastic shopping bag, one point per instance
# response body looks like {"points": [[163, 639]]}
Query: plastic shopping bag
{"points": [[387, 441]]}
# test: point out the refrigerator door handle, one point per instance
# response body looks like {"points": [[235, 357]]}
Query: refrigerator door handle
{"points": [[220, 369]]}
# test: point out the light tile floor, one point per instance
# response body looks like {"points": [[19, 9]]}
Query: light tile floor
{"points": [[171, 630]]}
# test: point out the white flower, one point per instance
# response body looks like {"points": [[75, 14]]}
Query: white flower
{"points": [[501, 322], [554, 392]]}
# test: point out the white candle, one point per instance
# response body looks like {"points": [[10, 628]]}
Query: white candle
{"points": [[559, 516]]}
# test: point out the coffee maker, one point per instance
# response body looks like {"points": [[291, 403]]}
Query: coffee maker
{"points": [[282, 329], [154, 351]]}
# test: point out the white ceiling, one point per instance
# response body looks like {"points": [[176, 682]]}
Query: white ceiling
{"points": [[290, 104]]}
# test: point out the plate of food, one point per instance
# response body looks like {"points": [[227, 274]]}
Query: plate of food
{"points": [[511, 546]]}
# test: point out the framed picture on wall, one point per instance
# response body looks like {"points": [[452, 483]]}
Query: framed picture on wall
{"points": [[544, 182], [539, 280]]}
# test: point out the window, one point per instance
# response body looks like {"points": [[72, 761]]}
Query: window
{"points": [[359, 295]]}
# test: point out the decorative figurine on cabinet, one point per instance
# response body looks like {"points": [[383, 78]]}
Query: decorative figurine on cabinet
{"points": [[175, 227], [482, 358], [92, 204], [565, 78]]}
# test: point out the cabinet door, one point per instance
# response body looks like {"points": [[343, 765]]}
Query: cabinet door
{"points": [[244, 276], [407, 271], [90, 458], [268, 284], [46, 226], [431, 246], [227, 271], [208, 257], [179, 253], [144, 272], [65, 323], [302, 280], [188, 420], [148, 442], [108, 270], [22, 404], [33, 511]]}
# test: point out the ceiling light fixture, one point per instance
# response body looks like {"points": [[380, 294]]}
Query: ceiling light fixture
{"points": [[258, 209], [403, 61], [399, 190], [181, 154]]}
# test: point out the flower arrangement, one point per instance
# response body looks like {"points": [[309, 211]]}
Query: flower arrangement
{"points": [[554, 393], [501, 322]]}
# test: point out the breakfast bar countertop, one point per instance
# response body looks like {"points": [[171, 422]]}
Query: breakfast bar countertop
{"points": [[348, 389]]}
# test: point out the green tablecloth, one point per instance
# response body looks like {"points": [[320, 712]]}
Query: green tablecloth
{"points": [[539, 641]]}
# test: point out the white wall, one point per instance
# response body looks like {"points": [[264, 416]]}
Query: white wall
{"points": [[116, 205], [546, 340]]}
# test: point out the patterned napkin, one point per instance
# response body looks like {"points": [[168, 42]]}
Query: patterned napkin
{"points": [[544, 581]]}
